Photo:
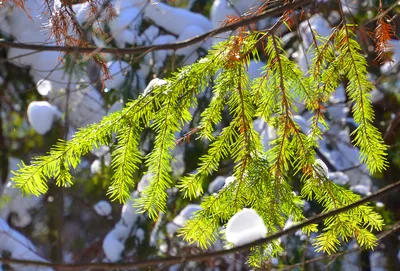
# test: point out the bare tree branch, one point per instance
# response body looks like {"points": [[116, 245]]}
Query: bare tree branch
{"points": [[172, 46], [392, 229], [208, 255]]}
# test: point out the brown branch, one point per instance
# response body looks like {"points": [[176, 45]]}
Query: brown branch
{"points": [[392, 229], [382, 14], [208, 255], [172, 46]]}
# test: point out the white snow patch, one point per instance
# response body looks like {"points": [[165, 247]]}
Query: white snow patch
{"points": [[156, 82], [19, 247], [140, 235], [229, 180], [361, 189], [41, 116], [118, 71], [114, 242], [321, 168], [112, 247], [95, 167], [339, 177], [44, 87], [174, 19], [266, 132], [245, 227], [125, 25], [157, 58], [18, 204], [221, 9], [321, 26], [186, 214], [91, 108], [217, 184], [144, 182], [103, 208], [100, 151], [150, 34]]}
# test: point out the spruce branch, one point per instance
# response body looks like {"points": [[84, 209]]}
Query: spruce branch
{"points": [[367, 136], [125, 163], [208, 255]]}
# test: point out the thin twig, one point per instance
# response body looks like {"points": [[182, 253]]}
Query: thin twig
{"points": [[394, 228], [172, 46]]}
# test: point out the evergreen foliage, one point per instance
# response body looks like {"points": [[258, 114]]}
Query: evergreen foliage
{"points": [[261, 177]]}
